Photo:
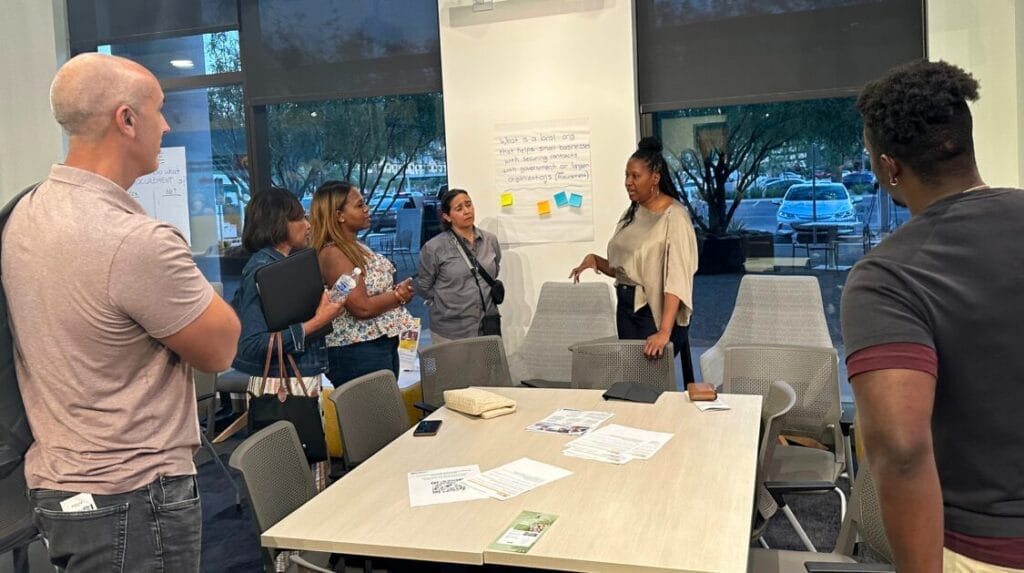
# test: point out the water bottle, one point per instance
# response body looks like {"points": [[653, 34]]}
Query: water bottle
{"points": [[344, 285]]}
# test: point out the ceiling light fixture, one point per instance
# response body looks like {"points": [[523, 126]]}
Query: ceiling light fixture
{"points": [[183, 64]]}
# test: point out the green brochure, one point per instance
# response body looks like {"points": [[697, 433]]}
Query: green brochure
{"points": [[524, 532]]}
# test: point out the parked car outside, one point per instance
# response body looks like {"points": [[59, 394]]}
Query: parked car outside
{"points": [[806, 203], [778, 187], [859, 181]]}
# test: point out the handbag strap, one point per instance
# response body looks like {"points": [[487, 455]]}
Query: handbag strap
{"points": [[474, 267], [469, 256], [286, 379], [266, 363]]}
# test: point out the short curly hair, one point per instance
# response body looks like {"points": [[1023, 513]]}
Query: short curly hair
{"points": [[918, 113]]}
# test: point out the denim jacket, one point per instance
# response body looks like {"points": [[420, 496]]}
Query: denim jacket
{"points": [[310, 355]]}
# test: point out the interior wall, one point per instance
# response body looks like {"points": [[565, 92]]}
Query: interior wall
{"points": [[34, 36], [528, 61], [986, 38]]}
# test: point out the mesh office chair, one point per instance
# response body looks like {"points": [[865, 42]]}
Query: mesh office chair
{"points": [[770, 310], [478, 361], [601, 363], [279, 481], [811, 373], [863, 523], [778, 401], [16, 529], [566, 313], [205, 386], [371, 414]]}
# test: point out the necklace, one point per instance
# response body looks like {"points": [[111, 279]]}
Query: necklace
{"points": [[976, 188]]}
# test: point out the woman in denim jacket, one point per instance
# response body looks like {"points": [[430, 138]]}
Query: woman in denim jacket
{"points": [[275, 225]]}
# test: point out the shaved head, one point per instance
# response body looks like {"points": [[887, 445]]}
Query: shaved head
{"points": [[89, 88]]}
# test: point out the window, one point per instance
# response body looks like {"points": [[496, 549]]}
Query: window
{"points": [[390, 147]]}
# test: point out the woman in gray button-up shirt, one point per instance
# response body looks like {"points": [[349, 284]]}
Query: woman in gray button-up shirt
{"points": [[444, 279]]}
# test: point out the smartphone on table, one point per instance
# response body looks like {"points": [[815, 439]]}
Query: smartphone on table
{"points": [[427, 428]]}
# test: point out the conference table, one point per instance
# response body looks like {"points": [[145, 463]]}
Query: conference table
{"points": [[688, 508]]}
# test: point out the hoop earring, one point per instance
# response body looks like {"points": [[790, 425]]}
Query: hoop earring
{"points": [[894, 181]]}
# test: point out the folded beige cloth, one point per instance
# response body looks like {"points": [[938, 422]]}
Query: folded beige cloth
{"points": [[477, 402]]}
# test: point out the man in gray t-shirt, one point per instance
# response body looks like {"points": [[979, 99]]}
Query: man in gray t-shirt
{"points": [[107, 309], [930, 324]]}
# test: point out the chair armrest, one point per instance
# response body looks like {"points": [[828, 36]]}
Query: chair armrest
{"points": [[304, 565], [780, 488], [424, 407], [824, 567], [538, 383], [846, 421]]}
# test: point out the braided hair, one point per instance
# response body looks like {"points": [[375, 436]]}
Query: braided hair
{"points": [[649, 152]]}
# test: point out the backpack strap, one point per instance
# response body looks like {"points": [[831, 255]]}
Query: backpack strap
{"points": [[6, 211]]}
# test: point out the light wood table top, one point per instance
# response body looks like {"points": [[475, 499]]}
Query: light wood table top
{"points": [[647, 515]]}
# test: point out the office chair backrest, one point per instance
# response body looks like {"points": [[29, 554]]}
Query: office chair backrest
{"points": [[566, 314], [478, 361], [275, 471], [601, 363], [770, 310], [371, 414], [863, 520], [778, 401], [810, 371]]}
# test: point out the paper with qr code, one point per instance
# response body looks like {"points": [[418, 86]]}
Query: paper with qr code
{"points": [[444, 485]]}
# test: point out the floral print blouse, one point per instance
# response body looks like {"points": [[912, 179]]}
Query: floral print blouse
{"points": [[380, 278]]}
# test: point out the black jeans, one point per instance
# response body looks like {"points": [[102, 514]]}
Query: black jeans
{"points": [[156, 528], [639, 325]]}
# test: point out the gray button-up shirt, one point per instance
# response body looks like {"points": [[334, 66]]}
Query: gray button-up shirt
{"points": [[447, 285]]}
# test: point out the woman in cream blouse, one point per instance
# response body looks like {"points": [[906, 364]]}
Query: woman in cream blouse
{"points": [[653, 256]]}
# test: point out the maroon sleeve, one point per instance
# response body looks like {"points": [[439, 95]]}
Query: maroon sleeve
{"points": [[898, 355]]}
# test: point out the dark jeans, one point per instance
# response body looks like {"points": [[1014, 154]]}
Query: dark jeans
{"points": [[640, 324], [354, 360], [156, 528]]}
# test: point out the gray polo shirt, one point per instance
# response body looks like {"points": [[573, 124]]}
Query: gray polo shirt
{"points": [[449, 288]]}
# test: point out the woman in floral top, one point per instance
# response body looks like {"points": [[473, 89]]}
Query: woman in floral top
{"points": [[365, 339]]}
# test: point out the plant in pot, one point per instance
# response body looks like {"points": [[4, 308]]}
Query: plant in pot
{"points": [[719, 171]]}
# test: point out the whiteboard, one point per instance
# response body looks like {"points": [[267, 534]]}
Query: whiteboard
{"points": [[543, 180], [164, 192]]}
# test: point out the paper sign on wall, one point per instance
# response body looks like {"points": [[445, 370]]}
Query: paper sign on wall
{"points": [[164, 193], [544, 163]]}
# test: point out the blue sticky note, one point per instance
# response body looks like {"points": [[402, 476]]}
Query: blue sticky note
{"points": [[576, 200], [561, 199]]}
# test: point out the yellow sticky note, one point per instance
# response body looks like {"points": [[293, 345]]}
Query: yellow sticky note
{"points": [[544, 207], [506, 199]]}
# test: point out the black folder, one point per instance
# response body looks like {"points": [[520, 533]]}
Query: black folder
{"points": [[632, 392], [290, 289]]}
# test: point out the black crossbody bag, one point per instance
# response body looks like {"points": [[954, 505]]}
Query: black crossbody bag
{"points": [[491, 322]]}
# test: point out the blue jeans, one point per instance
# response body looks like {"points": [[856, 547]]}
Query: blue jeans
{"points": [[156, 528], [354, 360], [638, 325]]}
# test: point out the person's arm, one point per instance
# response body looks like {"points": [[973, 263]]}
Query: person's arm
{"points": [[894, 408], [656, 342], [427, 271], [592, 261], [209, 342], [334, 263]]}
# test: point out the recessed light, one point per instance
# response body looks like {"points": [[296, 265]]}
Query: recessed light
{"points": [[183, 64], [313, 114]]}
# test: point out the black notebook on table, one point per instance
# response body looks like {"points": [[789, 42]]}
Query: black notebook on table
{"points": [[290, 290], [632, 392]]}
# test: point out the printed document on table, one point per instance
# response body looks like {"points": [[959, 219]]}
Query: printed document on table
{"points": [[706, 405], [617, 444], [516, 477], [570, 422], [443, 485], [524, 532]]}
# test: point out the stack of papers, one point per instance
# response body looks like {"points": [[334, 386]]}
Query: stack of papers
{"points": [[617, 444], [514, 478], [570, 422]]}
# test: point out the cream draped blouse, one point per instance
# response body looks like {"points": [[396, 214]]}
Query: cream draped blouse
{"points": [[657, 253]]}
